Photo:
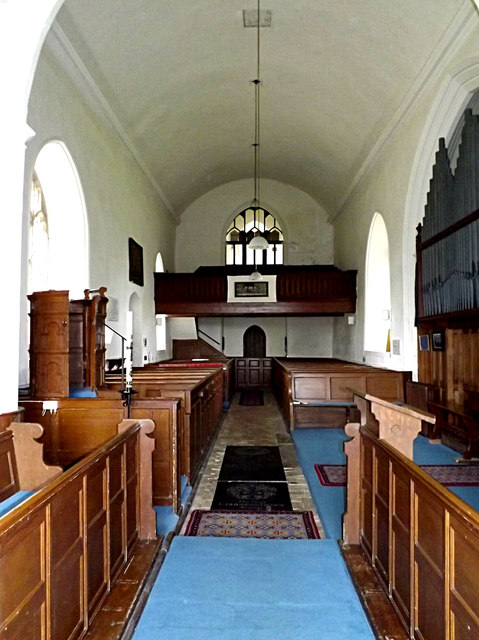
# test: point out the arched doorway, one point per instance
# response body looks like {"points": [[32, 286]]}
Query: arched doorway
{"points": [[254, 342], [253, 370]]}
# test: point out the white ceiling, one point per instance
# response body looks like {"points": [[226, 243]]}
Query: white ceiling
{"points": [[336, 75]]}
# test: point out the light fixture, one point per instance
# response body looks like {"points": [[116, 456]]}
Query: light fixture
{"points": [[258, 242]]}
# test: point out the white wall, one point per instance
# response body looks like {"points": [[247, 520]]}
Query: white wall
{"points": [[200, 236], [306, 337], [120, 201]]}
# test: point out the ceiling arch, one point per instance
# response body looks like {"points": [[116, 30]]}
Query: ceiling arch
{"points": [[176, 78]]}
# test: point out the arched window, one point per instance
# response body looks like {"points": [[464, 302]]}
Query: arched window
{"points": [[160, 318], [377, 323], [58, 242], [243, 228]]}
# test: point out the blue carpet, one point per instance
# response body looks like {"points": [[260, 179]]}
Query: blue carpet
{"points": [[323, 446], [427, 453], [166, 520], [232, 589]]}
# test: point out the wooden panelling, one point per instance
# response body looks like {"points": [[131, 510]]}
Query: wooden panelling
{"points": [[166, 467], [79, 426], [317, 385], [49, 344], [56, 547], [252, 372], [421, 539], [299, 290], [400, 574]]}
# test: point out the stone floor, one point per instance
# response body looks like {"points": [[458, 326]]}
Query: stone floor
{"points": [[255, 426]]}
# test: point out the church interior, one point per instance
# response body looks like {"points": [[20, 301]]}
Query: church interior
{"points": [[240, 384]]}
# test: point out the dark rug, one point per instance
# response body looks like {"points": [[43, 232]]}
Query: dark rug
{"points": [[252, 464], [252, 496], [241, 524], [251, 398], [450, 475]]}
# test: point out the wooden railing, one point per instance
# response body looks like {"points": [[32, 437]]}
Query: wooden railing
{"points": [[421, 539], [315, 291], [63, 548]]}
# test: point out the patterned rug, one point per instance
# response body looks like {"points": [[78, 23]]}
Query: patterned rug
{"points": [[262, 524], [252, 496], [334, 475]]}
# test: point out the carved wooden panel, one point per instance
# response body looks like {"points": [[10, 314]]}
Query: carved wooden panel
{"points": [[97, 535], [67, 557], [252, 372], [49, 370], [23, 585], [464, 583], [400, 575], [429, 569], [381, 516]]}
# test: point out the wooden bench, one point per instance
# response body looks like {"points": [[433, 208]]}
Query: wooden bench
{"points": [[200, 394], [317, 392], [63, 548], [421, 540], [459, 420], [80, 425], [22, 469]]}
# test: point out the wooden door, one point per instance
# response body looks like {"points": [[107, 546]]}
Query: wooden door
{"points": [[254, 343]]}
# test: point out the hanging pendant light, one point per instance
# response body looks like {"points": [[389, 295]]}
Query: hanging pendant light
{"points": [[258, 242]]}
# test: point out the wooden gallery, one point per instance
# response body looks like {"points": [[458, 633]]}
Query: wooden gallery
{"points": [[154, 278]]}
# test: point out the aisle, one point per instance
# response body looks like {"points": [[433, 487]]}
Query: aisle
{"points": [[260, 425]]}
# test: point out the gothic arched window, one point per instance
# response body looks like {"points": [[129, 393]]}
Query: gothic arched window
{"points": [[247, 224]]}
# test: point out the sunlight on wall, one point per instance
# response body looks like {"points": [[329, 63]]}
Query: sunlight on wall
{"points": [[378, 289], [66, 225], [160, 317]]}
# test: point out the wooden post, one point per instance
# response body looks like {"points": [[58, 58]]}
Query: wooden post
{"points": [[145, 476], [351, 518]]}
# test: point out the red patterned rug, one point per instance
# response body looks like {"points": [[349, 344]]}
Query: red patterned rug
{"points": [[334, 475], [286, 525]]}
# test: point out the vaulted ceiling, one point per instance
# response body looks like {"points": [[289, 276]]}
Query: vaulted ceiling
{"points": [[174, 77]]}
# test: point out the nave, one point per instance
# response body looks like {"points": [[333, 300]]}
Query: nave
{"points": [[218, 587]]}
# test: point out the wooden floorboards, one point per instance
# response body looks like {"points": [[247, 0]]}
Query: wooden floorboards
{"points": [[381, 614], [121, 605]]}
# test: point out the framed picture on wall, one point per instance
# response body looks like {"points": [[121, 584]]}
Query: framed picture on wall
{"points": [[438, 342], [424, 343], [135, 256]]}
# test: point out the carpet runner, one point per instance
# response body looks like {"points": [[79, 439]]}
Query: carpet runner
{"points": [[334, 475], [251, 398], [240, 524], [252, 464]]}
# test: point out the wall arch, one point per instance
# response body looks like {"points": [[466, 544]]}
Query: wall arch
{"points": [[68, 263], [23, 27]]}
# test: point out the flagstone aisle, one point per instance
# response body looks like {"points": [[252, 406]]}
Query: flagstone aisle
{"points": [[255, 426]]}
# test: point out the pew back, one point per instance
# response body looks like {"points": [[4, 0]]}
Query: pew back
{"points": [[421, 539], [63, 548]]}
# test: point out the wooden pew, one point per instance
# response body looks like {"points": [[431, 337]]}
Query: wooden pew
{"points": [[22, 468], [317, 392], [80, 425], [421, 539], [76, 427], [62, 550], [200, 395], [458, 423]]}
